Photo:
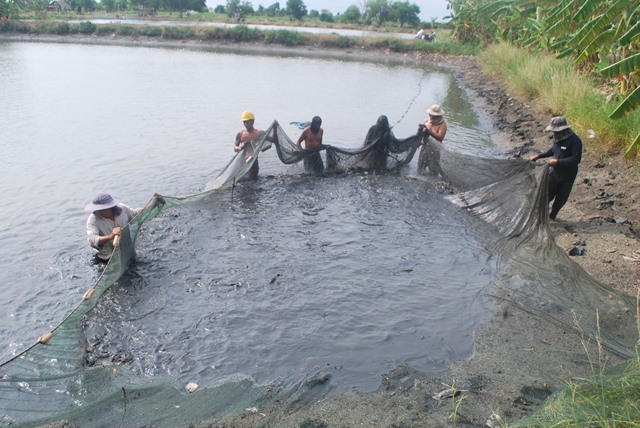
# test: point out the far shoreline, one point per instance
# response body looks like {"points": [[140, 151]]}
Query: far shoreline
{"points": [[358, 53]]}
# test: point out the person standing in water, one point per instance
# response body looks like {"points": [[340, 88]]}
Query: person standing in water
{"points": [[106, 222], [247, 135], [435, 126], [377, 139], [312, 137]]}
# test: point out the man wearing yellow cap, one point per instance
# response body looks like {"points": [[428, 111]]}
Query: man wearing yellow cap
{"points": [[247, 135]]}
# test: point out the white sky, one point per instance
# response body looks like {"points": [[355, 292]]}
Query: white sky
{"points": [[428, 8]]}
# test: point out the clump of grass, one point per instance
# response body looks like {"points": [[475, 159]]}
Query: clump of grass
{"points": [[607, 398], [446, 47], [87, 27], [105, 29], [284, 37], [150, 31], [126, 30], [210, 33], [555, 88], [178, 33], [341, 42], [242, 33]]}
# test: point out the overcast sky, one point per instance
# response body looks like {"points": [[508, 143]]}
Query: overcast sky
{"points": [[428, 8]]}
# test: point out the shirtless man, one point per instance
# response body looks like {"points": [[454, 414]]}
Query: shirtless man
{"points": [[436, 127], [247, 135], [312, 137]]}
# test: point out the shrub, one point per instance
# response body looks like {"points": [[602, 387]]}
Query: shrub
{"points": [[87, 27], [210, 33], [398, 46], [62, 28], [125, 30], [178, 33], [242, 33], [150, 31], [105, 29], [285, 37], [343, 42]]}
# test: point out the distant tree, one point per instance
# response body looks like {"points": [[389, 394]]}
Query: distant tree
{"points": [[182, 6], [405, 13], [109, 5], [378, 11], [326, 16], [314, 14], [232, 7], [87, 5], [220, 9], [6, 7], [273, 10], [122, 5], [297, 9], [352, 15], [242, 7]]}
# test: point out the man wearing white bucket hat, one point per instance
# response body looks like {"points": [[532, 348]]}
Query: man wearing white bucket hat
{"points": [[566, 154], [108, 217]]}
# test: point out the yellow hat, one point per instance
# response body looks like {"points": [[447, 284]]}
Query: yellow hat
{"points": [[247, 115]]}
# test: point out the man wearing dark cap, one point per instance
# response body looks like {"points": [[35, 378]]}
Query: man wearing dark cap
{"points": [[567, 153], [106, 222]]}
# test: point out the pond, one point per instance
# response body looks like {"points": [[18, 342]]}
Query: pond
{"points": [[355, 272]]}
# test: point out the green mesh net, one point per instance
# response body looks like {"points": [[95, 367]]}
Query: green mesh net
{"points": [[506, 200]]}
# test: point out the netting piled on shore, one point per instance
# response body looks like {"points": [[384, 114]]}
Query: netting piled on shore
{"points": [[506, 200]]}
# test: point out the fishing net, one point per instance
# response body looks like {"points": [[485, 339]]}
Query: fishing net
{"points": [[506, 202]]}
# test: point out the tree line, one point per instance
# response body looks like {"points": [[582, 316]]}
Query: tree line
{"points": [[368, 12]]}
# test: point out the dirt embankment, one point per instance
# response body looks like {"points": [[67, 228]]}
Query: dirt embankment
{"points": [[600, 224]]}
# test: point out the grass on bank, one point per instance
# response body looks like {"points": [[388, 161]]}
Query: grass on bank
{"points": [[239, 34], [611, 400], [607, 399], [555, 88]]}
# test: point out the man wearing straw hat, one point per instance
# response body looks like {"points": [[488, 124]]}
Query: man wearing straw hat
{"points": [[566, 154], [108, 217], [436, 127]]}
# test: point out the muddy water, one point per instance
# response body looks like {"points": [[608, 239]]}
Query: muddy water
{"points": [[355, 273]]}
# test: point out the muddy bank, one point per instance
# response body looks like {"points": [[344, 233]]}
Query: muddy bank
{"points": [[519, 359]]}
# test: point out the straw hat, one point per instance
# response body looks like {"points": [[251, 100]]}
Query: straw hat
{"points": [[435, 110]]}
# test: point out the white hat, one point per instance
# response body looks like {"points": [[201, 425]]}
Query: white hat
{"points": [[101, 201], [435, 110]]}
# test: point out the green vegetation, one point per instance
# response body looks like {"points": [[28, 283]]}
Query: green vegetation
{"points": [[241, 34], [602, 38], [378, 13], [605, 399], [553, 87]]}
